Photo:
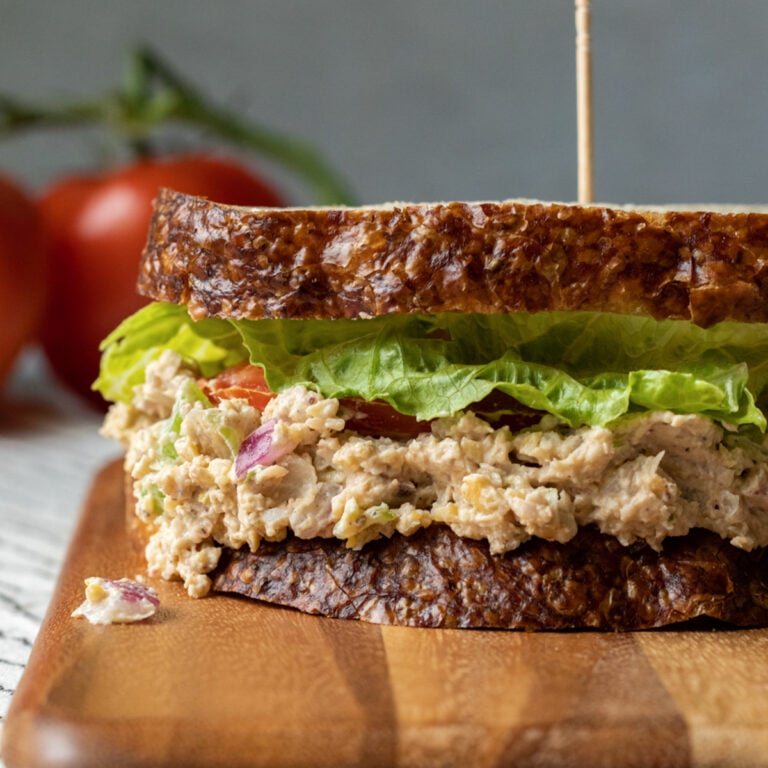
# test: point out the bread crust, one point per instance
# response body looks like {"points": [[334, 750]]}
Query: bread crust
{"points": [[251, 263], [436, 579]]}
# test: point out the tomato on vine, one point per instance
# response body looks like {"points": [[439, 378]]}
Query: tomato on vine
{"points": [[96, 228], [96, 224]]}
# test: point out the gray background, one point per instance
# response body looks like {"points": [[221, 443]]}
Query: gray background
{"points": [[432, 99]]}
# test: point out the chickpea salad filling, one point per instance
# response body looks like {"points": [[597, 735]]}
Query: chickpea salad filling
{"points": [[214, 468]]}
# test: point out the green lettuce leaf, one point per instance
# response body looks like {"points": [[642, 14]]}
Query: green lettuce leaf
{"points": [[212, 345], [584, 368]]}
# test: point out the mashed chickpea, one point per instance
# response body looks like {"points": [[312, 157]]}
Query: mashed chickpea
{"points": [[651, 476]]}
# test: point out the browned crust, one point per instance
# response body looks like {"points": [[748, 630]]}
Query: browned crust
{"points": [[234, 262], [436, 579]]}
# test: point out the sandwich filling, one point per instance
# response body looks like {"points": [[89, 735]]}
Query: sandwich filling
{"points": [[642, 450]]}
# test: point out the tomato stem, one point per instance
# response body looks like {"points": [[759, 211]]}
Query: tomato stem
{"points": [[16, 115], [153, 94]]}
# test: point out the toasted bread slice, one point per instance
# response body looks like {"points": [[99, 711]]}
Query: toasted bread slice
{"points": [[436, 579], [253, 263]]}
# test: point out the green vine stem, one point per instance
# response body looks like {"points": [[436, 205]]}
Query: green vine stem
{"points": [[153, 94]]}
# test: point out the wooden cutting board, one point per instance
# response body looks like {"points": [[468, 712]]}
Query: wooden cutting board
{"points": [[227, 682]]}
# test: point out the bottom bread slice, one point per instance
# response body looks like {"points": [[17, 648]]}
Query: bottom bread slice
{"points": [[437, 579]]}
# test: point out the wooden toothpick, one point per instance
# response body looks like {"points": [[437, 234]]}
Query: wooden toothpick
{"points": [[584, 101]]}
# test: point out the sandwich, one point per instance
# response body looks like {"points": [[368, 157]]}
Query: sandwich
{"points": [[517, 414]]}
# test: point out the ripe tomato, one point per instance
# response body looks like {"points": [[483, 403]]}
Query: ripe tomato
{"points": [[96, 228], [376, 418], [23, 273]]}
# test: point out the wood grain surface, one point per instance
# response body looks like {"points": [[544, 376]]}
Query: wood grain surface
{"points": [[227, 682]]}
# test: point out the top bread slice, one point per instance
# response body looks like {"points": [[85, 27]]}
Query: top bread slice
{"points": [[253, 263]]}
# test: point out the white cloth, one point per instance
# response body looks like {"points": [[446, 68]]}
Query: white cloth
{"points": [[49, 451]]}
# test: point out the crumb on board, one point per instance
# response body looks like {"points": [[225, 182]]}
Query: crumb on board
{"points": [[116, 601]]}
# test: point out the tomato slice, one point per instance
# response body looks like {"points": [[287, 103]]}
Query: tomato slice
{"points": [[372, 418], [377, 418], [502, 410], [244, 381]]}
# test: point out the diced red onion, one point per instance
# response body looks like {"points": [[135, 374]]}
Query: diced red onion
{"points": [[132, 591], [258, 449]]}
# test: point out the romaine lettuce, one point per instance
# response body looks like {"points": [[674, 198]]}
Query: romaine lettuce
{"points": [[584, 368]]}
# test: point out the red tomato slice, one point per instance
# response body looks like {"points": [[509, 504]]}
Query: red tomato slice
{"points": [[243, 381], [377, 418]]}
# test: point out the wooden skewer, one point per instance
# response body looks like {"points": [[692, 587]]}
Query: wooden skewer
{"points": [[584, 101]]}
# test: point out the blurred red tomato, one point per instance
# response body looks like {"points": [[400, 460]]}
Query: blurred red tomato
{"points": [[23, 273], [96, 227]]}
